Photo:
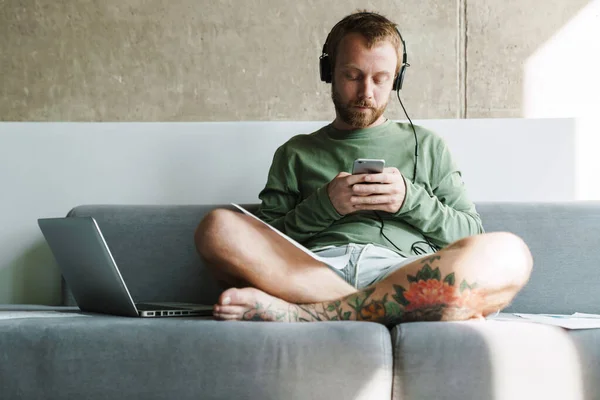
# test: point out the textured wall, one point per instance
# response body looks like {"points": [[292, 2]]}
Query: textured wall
{"points": [[204, 60], [501, 36]]}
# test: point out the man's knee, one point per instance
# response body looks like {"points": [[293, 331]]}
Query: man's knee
{"points": [[501, 264], [213, 228], [503, 249], [515, 254]]}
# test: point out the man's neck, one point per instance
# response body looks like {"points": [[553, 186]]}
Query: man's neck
{"points": [[343, 126]]}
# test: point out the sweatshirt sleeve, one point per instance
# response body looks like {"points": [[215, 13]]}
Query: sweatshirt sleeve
{"points": [[443, 213], [283, 207]]}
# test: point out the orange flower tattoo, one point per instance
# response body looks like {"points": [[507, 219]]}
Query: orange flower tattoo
{"points": [[429, 293]]}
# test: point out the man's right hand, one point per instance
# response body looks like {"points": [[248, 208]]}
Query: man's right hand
{"points": [[340, 192]]}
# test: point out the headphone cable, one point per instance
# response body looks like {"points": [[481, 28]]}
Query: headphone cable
{"points": [[414, 248], [414, 133]]}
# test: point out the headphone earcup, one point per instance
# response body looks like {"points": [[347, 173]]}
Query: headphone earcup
{"points": [[399, 79], [325, 68]]}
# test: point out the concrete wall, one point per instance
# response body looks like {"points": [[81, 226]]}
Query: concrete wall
{"points": [[204, 60]]}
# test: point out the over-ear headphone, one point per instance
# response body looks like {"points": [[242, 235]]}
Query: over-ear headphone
{"points": [[326, 70]]}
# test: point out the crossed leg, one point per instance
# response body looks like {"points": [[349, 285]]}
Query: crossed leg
{"points": [[242, 252], [468, 279]]}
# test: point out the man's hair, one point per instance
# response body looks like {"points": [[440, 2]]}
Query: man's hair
{"points": [[374, 27]]}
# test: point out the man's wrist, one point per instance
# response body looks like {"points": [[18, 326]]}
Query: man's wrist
{"points": [[325, 199], [406, 194]]}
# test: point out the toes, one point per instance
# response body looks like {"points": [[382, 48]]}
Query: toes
{"points": [[241, 297], [249, 304], [226, 297], [232, 311], [229, 315], [226, 317]]}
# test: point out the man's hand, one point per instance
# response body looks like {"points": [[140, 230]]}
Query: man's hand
{"points": [[379, 192]]}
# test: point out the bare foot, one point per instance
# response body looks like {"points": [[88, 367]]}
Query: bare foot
{"points": [[250, 304]]}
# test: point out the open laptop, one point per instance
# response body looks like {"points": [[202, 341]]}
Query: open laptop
{"points": [[92, 273]]}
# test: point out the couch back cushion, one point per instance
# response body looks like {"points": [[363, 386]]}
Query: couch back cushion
{"points": [[154, 249], [564, 239]]}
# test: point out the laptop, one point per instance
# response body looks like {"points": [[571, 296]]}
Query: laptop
{"points": [[92, 273]]}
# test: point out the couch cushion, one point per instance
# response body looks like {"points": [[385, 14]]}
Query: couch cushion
{"points": [[500, 360], [564, 241], [106, 357]]}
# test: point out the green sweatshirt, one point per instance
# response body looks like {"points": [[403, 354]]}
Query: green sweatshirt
{"points": [[295, 199]]}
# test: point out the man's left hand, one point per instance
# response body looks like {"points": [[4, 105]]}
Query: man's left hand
{"points": [[380, 192]]}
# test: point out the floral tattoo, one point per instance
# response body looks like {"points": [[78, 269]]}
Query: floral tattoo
{"points": [[428, 297]]}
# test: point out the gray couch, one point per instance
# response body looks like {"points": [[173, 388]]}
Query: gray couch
{"points": [[59, 352]]}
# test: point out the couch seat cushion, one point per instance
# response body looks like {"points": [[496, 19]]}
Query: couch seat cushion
{"points": [[100, 357], [498, 360]]}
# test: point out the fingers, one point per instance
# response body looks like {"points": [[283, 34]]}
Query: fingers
{"points": [[349, 178], [389, 175], [373, 199], [384, 177], [367, 190], [391, 170], [354, 179], [392, 186], [377, 202]]}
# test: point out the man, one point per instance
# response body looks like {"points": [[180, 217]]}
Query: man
{"points": [[411, 243]]}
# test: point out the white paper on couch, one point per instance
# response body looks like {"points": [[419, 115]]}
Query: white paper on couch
{"points": [[574, 321], [335, 262]]}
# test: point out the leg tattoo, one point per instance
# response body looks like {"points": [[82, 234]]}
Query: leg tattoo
{"points": [[427, 297]]}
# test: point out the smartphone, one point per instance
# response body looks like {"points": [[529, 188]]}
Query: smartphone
{"points": [[367, 166]]}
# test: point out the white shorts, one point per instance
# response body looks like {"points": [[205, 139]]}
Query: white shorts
{"points": [[368, 263]]}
